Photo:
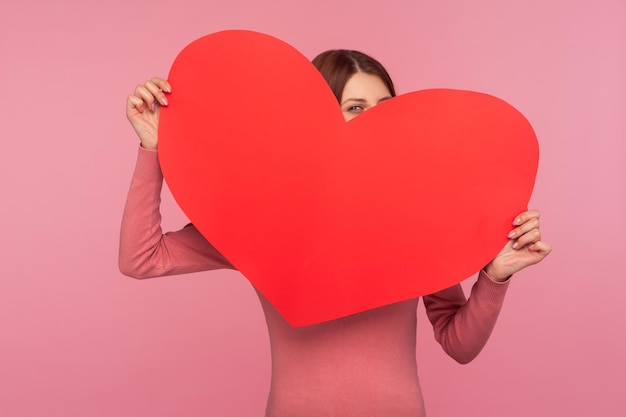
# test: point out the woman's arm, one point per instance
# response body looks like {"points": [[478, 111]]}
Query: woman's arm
{"points": [[461, 326], [144, 250]]}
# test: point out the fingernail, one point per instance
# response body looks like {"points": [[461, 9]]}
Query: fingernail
{"points": [[164, 101], [511, 234], [515, 245], [517, 221]]}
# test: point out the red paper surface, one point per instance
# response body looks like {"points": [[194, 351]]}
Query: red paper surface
{"points": [[328, 218]]}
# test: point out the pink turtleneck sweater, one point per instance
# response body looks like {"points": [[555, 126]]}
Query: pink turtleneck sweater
{"points": [[361, 365]]}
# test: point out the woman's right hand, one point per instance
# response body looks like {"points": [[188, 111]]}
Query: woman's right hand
{"points": [[142, 110]]}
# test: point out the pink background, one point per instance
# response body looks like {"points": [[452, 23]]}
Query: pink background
{"points": [[80, 339]]}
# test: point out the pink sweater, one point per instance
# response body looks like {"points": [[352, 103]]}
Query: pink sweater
{"points": [[360, 365]]}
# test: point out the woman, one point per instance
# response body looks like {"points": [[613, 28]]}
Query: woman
{"points": [[360, 365]]}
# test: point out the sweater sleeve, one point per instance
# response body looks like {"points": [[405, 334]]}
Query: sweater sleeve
{"points": [[461, 326], [144, 250]]}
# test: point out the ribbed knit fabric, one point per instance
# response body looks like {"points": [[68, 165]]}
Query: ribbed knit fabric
{"points": [[361, 365]]}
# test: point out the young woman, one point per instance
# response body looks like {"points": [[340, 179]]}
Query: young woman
{"points": [[360, 365]]}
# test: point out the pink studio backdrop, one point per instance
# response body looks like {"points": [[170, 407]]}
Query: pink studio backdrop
{"points": [[80, 339]]}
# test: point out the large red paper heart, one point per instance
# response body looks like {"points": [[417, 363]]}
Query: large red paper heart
{"points": [[328, 218]]}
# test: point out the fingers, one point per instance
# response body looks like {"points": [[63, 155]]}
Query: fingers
{"points": [[526, 216], [149, 94], [525, 222], [526, 226], [135, 103], [527, 231], [164, 85], [157, 87], [528, 238], [541, 247]]}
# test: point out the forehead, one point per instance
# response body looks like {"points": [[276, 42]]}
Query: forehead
{"points": [[365, 86]]}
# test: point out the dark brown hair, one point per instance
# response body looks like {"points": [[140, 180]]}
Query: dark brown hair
{"points": [[338, 65]]}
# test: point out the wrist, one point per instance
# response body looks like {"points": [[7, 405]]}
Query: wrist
{"points": [[149, 146], [494, 275]]}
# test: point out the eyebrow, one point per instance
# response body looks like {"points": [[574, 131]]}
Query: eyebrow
{"points": [[362, 100]]}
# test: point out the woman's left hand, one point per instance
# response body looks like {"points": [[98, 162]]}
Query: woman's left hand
{"points": [[523, 249]]}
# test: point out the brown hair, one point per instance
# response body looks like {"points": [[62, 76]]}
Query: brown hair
{"points": [[338, 65]]}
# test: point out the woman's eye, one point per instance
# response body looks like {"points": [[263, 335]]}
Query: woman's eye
{"points": [[355, 109]]}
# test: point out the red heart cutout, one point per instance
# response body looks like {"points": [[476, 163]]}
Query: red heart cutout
{"points": [[328, 218]]}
